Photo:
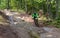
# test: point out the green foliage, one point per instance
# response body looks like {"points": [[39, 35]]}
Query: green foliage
{"points": [[36, 5], [56, 23], [2, 5], [29, 5]]}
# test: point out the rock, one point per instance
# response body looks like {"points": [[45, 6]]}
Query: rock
{"points": [[34, 34]]}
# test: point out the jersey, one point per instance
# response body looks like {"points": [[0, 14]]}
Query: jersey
{"points": [[35, 15]]}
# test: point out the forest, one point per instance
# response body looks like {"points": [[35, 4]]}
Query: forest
{"points": [[51, 7], [29, 18]]}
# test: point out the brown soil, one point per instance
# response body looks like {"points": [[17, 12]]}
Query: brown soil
{"points": [[6, 32]]}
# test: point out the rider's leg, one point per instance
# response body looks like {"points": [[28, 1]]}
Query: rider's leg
{"points": [[36, 22]]}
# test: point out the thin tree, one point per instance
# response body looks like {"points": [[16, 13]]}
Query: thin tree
{"points": [[26, 7], [0, 2], [8, 6], [57, 5]]}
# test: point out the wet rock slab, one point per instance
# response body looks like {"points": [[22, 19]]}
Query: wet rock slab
{"points": [[51, 33]]}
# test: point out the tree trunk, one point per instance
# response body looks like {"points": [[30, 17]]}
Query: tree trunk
{"points": [[8, 6], [26, 7], [57, 8]]}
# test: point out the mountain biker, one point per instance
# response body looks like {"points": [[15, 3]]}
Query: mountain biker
{"points": [[35, 18]]}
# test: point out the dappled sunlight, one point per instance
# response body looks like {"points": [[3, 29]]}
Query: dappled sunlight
{"points": [[42, 18]]}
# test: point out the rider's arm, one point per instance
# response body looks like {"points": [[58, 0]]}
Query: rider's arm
{"points": [[32, 15]]}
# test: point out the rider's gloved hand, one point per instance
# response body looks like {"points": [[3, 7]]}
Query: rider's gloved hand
{"points": [[36, 18]]}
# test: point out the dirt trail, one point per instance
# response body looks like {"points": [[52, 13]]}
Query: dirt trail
{"points": [[7, 32], [23, 27]]}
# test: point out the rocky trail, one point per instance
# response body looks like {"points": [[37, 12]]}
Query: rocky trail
{"points": [[7, 32], [23, 27]]}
